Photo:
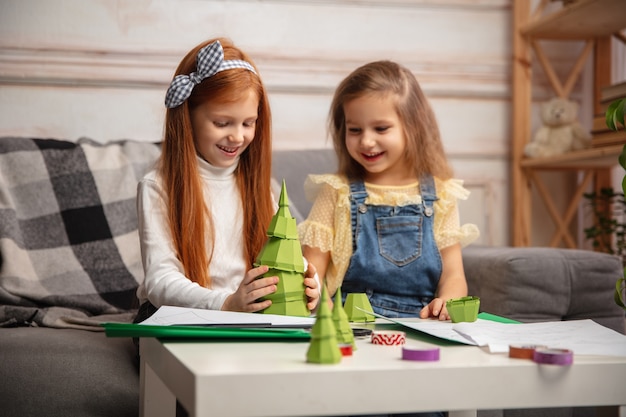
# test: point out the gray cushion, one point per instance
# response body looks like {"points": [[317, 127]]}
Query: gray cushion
{"points": [[67, 372], [542, 284], [68, 228]]}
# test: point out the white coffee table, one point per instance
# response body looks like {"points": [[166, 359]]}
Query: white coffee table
{"points": [[273, 379]]}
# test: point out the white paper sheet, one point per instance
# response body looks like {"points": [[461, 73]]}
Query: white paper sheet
{"points": [[583, 337], [440, 329], [169, 315]]}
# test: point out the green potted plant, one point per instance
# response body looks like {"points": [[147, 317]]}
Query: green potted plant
{"points": [[615, 119], [608, 231]]}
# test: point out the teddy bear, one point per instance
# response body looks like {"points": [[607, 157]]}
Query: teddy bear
{"points": [[560, 133]]}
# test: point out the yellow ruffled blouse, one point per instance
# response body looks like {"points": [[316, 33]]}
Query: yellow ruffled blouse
{"points": [[328, 225]]}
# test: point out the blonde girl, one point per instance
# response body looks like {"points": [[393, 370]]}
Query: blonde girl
{"points": [[387, 223]]}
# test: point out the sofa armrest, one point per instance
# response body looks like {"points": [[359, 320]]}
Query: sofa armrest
{"points": [[545, 284]]}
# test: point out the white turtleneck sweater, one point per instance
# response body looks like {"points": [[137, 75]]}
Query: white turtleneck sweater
{"points": [[165, 282]]}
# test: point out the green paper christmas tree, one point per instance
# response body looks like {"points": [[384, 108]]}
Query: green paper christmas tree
{"points": [[323, 347], [283, 255], [342, 324], [360, 300]]}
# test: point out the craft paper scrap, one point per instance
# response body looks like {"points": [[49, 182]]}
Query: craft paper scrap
{"points": [[170, 315], [584, 337], [440, 329]]}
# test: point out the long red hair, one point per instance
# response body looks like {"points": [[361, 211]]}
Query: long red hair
{"points": [[190, 220]]}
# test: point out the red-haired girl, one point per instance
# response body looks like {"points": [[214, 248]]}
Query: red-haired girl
{"points": [[204, 211]]}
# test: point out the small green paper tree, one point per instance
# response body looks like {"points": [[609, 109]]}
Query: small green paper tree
{"points": [[283, 255], [355, 305], [323, 348], [342, 324]]}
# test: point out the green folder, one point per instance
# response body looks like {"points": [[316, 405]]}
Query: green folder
{"points": [[230, 332], [499, 319], [202, 332]]}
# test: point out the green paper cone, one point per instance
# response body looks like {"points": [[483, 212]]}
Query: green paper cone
{"points": [[464, 309], [282, 253], [323, 348], [342, 324], [360, 300]]}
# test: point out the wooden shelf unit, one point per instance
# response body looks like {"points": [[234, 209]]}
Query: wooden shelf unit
{"points": [[593, 22], [592, 158], [581, 20]]}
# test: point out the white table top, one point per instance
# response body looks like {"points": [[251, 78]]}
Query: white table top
{"points": [[274, 379]]}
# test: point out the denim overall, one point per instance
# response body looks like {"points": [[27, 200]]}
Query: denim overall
{"points": [[395, 258]]}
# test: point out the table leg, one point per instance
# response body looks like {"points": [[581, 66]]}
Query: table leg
{"points": [[155, 399]]}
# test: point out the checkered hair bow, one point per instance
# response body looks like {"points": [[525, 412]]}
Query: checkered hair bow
{"points": [[210, 61]]}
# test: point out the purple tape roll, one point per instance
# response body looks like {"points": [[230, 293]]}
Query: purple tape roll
{"points": [[412, 354], [553, 356]]}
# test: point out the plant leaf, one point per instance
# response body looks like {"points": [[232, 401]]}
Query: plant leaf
{"points": [[614, 116], [619, 112], [622, 160]]}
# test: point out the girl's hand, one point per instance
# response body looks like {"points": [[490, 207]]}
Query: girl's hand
{"points": [[250, 290], [312, 289], [436, 308]]}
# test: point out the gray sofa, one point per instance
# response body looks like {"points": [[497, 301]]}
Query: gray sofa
{"points": [[56, 361]]}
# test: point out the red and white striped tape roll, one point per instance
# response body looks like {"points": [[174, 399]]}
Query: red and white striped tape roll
{"points": [[388, 337]]}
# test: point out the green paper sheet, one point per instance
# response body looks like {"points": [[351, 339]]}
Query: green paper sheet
{"points": [[201, 332], [493, 317]]}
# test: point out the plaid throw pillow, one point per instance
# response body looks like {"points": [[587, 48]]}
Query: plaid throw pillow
{"points": [[68, 228]]}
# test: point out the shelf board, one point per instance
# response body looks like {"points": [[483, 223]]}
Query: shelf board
{"points": [[601, 157], [584, 19]]}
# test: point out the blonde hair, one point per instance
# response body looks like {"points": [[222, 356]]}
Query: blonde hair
{"points": [[425, 152], [189, 218]]}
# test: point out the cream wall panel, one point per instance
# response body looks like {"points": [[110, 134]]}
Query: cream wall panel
{"points": [[488, 203], [471, 126], [71, 113], [360, 30], [303, 49], [100, 68], [300, 123], [478, 210], [297, 44]]}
